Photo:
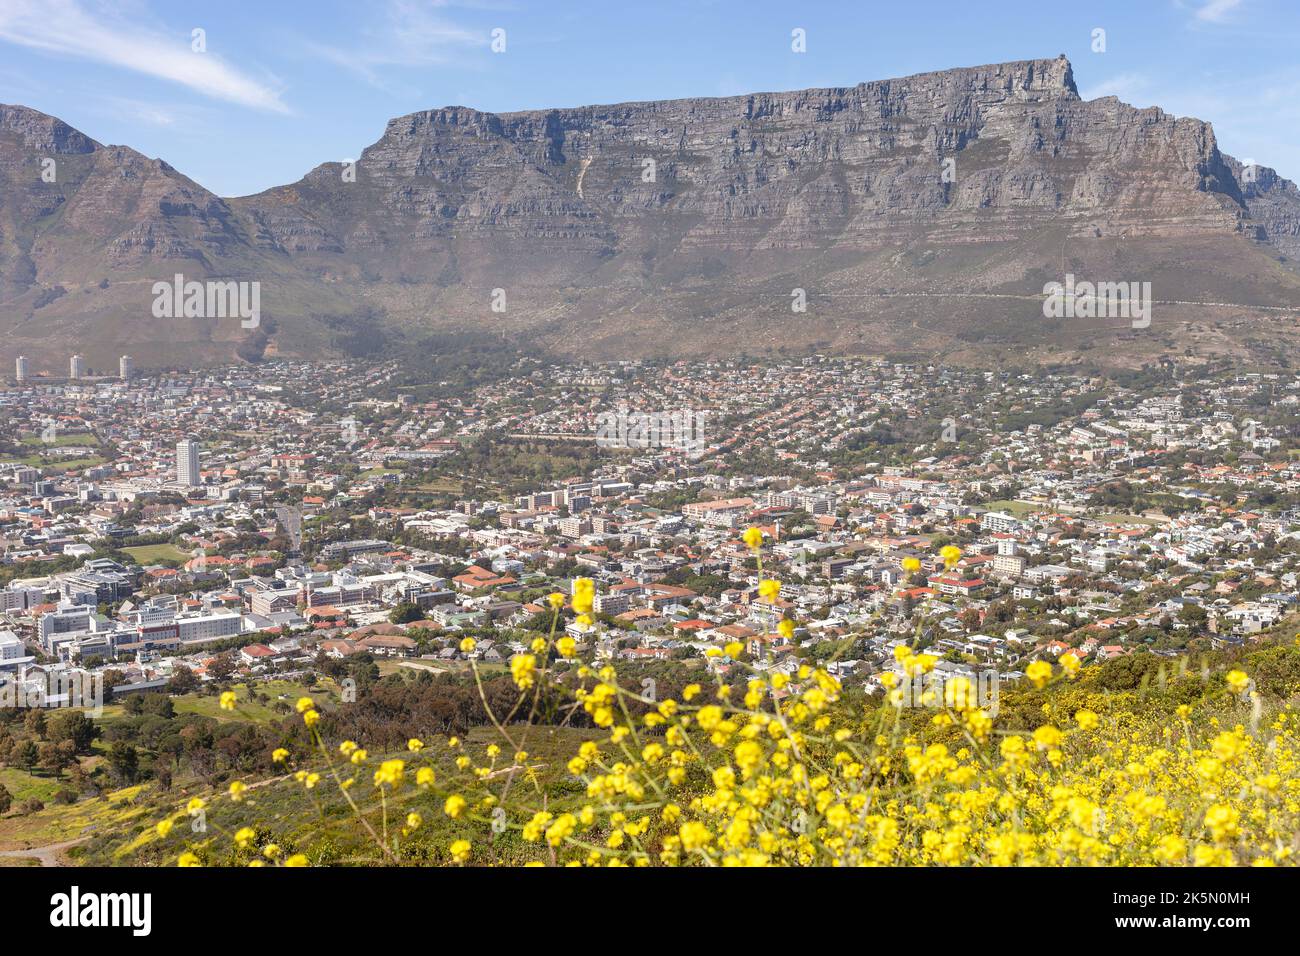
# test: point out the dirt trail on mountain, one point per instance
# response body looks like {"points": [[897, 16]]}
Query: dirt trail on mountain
{"points": [[50, 855]]}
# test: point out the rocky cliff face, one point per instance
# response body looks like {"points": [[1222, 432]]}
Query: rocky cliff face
{"points": [[914, 212], [779, 170]]}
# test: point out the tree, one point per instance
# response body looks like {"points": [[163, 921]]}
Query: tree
{"points": [[124, 761], [183, 681], [54, 757], [222, 666], [159, 706], [26, 754], [406, 613], [6, 799], [74, 727]]}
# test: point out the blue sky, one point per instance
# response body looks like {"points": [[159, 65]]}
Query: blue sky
{"points": [[284, 85]]}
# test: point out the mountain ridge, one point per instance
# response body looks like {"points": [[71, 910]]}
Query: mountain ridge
{"points": [[668, 227]]}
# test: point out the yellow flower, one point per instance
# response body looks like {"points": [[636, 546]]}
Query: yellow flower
{"points": [[305, 704], [1046, 737], [298, 859], [555, 599], [244, 836], [753, 538], [959, 694], [188, 859], [1040, 672], [414, 821], [460, 851], [769, 590], [237, 790], [165, 827], [951, 554], [694, 836], [1229, 747], [584, 594], [566, 646], [390, 773], [558, 831], [279, 755], [348, 748], [1222, 821], [424, 777], [195, 805], [522, 669], [311, 718], [454, 806], [1086, 719], [919, 664], [1070, 663], [1172, 850], [228, 700], [911, 565], [786, 628], [415, 745], [1238, 681], [467, 644]]}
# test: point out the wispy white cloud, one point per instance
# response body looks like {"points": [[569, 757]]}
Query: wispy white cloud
{"points": [[408, 34], [66, 28], [1124, 85], [1216, 11]]}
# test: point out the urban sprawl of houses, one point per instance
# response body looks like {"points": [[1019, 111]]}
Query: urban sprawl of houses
{"points": [[277, 516]]}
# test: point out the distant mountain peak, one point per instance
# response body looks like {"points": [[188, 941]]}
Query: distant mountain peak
{"points": [[44, 132]]}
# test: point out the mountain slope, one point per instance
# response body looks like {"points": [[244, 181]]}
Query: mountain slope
{"points": [[917, 214]]}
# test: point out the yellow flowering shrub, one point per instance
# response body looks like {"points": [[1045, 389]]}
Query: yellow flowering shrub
{"points": [[1068, 772]]}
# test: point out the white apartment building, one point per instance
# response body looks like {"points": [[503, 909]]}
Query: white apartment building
{"points": [[187, 463]]}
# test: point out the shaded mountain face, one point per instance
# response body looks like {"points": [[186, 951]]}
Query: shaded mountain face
{"points": [[922, 214]]}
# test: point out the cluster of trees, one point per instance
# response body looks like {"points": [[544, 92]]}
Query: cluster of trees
{"points": [[47, 742]]}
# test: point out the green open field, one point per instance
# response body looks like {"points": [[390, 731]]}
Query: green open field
{"points": [[260, 711], [26, 786], [449, 486], [1017, 508], [157, 554], [62, 439], [72, 464], [1130, 519]]}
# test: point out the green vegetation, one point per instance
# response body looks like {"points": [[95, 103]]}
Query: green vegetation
{"points": [[167, 554]]}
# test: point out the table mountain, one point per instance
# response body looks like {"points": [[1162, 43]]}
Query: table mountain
{"points": [[917, 215]]}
